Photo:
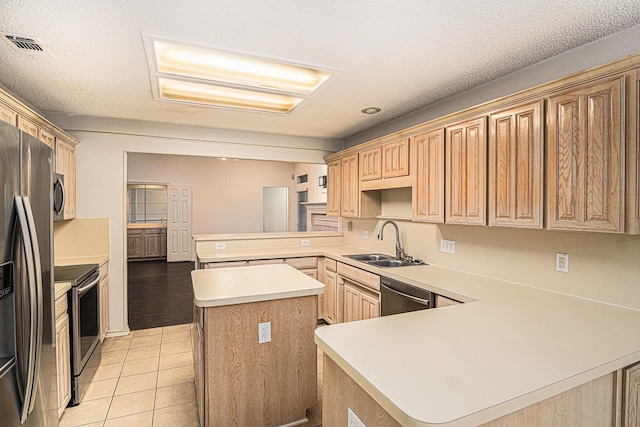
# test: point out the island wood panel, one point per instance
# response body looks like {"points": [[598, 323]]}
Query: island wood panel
{"points": [[631, 396], [465, 169], [269, 384], [395, 158], [334, 186], [371, 164], [585, 171], [350, 199], [428, 184], [516, 157], [589, 405], [341, 392]]}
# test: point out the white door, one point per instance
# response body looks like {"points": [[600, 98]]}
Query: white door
{"points": [[179, 224], [275, 209]]}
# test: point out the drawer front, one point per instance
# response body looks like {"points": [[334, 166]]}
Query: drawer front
{"points": [[61, 306], [359, 276], [303, 262], [330, 264]]}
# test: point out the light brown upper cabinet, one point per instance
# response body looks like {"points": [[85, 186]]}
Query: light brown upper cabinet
{"points": [[8, 115], [371, 164], [333, 187], [47, 137], [386, 166], [515, 166], [66, 165], [585, 172], [465, 170], [350, 199], [28, 126], [395, 158], [428, 176]]}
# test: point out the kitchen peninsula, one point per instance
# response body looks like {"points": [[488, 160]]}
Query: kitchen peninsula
{"points": [[511, 354], [254, 352]]}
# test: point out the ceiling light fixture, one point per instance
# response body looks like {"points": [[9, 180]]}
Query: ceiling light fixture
{"points": [[227, 79], [370, 110]]}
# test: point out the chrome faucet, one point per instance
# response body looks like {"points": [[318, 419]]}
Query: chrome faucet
{"points": [[399, 250]]}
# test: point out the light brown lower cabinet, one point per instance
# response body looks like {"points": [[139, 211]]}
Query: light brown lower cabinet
{"points": [[241, 382], [331, 297], [63, 353], [146, 242], [360, 303], [104, 300], [593, 404]]}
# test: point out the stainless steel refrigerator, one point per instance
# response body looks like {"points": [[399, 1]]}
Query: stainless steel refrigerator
{"points": [[28, 374]]}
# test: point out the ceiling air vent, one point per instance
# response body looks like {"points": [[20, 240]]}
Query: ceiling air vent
{"points": [[24, 44]]}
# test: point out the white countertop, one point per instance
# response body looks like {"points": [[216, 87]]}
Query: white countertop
{"points": [[239, 285], [509, 345]]}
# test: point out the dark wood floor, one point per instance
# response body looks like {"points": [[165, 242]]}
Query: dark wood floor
{"points": [[159, 294]]}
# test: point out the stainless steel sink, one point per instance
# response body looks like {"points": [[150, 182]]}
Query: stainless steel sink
{"points": [[369, 257], [392, 263]]}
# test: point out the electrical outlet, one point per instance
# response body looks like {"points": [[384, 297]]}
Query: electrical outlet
{"points": [[353, 420], [220, 245], [305, 242], [562, 263], [366, 234], [448, 246], [264, 332]]}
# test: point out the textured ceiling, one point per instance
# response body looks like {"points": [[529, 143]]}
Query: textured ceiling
{"points": [[399, 55]]}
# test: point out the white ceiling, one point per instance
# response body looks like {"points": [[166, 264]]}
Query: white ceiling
{"points": [[399, 55]]}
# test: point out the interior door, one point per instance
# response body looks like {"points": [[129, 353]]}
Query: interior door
{"points": [[275, 209], [179, 224]]}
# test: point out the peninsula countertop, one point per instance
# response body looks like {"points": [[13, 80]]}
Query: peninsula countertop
{"points": [[238, 285], [509, 346]]}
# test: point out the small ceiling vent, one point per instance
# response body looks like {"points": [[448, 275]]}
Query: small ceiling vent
{"points": [[24, 43]]}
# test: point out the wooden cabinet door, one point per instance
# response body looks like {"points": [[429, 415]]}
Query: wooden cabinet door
{"points": [[350, 187], [135, 244], [631, 397], [104, 300], [395, 158], [352, 307], [465, 183], [47, 137], [28, 126], [369, 306], [153, 245], [8, 115], [515, 166], [370, 164], [331, 298], [66, 165], [428, 172], [63, 362], [585, 152], [334, 187]]}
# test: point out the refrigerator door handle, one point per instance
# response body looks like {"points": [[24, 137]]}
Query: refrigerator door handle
{"points": [[35, 247], [29, 382]]}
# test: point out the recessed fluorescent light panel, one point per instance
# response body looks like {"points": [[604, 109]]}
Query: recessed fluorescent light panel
{"points": [[191, 74]]}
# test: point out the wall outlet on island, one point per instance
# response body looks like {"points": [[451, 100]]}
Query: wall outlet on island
{"points": [[220, 245], [305, 242], [264, 332], [353, 420]]}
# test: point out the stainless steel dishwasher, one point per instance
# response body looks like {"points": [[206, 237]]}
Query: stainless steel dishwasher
{"points": [[398, 297]]}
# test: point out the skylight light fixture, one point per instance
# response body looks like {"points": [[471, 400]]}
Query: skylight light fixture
{"points": [[219, 78]]}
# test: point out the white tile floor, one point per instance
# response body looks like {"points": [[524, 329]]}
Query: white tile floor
{"points": [[145, 379]]}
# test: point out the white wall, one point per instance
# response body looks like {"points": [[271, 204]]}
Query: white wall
{"points": [[227, 195], [102, 172]]}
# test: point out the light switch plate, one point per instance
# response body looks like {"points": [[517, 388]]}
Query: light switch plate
{"points": [[366, 234], [447, 246]]}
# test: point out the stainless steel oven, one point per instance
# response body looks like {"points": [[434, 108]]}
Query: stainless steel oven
{"points": [[398, 297], [85, 324]]}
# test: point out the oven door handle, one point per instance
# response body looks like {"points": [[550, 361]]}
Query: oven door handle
{"points": [[411, 297], [89, 285]]}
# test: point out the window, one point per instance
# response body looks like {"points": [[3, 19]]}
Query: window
{"points": [[146, 203]]}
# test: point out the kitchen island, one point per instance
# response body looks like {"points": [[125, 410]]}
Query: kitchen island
{"points": [[254, 345]]}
